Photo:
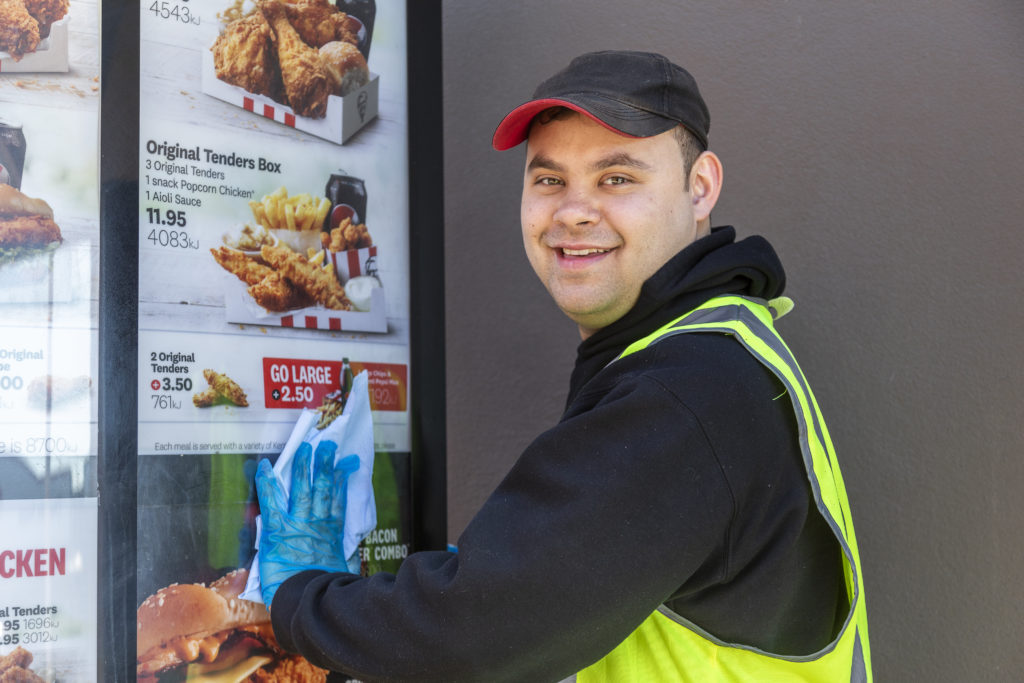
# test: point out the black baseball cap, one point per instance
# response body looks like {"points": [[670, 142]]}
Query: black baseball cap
{"points": [[638, 94]]}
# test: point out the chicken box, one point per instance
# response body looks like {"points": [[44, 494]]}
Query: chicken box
{"points": [[50, 56], [345, 115], [240, 308]]}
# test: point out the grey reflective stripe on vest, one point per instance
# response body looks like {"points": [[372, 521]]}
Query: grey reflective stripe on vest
{"points": [[858, 671], [726, 313], [734, 312]]}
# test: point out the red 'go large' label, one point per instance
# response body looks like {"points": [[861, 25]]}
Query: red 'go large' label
{"points": [[294, 383], [299, 383]]}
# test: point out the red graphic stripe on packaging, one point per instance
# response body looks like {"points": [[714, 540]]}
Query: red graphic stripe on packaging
{"points": [[248, 104], [287, 321], [289, 119]]}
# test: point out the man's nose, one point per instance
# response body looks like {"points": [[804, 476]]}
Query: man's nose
{"points": [[577, 209]]}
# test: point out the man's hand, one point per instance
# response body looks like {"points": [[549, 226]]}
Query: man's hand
{"points": [[303, 531]]}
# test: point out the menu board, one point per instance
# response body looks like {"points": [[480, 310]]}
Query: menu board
{"points": [[273, 267], [49, 251]]}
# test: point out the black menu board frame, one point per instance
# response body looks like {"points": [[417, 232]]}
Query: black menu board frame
{"points": [[119, 312]]}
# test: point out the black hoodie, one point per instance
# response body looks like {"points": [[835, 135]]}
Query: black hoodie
{"points": [[674, 477]]}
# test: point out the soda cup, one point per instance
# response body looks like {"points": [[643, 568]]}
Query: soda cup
{"points": [[12, 153], [347, 195]]}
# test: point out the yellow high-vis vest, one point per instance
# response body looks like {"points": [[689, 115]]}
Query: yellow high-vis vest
{"points": [[668, 648]]}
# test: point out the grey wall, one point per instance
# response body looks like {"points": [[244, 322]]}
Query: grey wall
{"points": [[879, 146]]}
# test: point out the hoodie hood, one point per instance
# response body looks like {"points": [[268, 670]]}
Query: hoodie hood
{"points": [[711, 266]]}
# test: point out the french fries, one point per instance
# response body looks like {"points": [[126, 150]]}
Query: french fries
{"points": [[278, 211]]}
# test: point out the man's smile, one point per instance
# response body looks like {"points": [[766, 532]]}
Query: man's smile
{"points": [[583, 252]]}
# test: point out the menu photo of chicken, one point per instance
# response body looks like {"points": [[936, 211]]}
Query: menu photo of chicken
{"points": [[287, 271], [31, 269], [295, 62], [34, 35]]}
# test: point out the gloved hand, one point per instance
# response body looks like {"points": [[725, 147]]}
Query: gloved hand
{"points": [[303, 531]]}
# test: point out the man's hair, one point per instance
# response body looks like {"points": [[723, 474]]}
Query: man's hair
{"points": [[689, 146]]}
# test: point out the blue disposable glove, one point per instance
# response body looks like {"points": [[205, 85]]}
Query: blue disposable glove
{"points": [[303, 531]]}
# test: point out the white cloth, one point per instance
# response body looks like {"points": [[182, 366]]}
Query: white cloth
{"points": [[353, 432]]}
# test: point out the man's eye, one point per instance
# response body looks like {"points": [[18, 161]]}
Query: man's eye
{"points": [[616, 180], [548, 180]]}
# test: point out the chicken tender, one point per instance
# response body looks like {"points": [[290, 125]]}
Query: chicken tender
{"points": [[246, 269], [276, 294], [267, 287], [243, 55], [226, 387], [205, 399], [321, 285], [305, 82]]}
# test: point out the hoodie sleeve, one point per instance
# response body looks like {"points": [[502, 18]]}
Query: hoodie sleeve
{"points": [[600, 520]]}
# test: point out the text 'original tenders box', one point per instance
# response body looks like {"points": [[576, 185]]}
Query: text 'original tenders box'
{"points": [[345, 115]]}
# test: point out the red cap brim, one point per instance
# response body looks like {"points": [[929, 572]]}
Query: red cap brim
{"points": [[515, 127]]}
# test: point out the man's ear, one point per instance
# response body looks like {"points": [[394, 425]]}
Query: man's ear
{"points": [[705, 184]]}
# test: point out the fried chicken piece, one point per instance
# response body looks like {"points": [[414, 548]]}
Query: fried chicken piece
{"points": [[25, 221], [346, 236], [29, 231], [19, 656], [292, 669], [17, 674], [19, 31], [322, 285], [305, 82], [276, 294], [243, 55], [205, 399], [268, 287], [226, 387], [345, 65], [248, 270], [46, 12], [319, 22]]}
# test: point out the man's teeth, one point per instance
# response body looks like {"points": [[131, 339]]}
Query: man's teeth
{"points": [[583, 252]]}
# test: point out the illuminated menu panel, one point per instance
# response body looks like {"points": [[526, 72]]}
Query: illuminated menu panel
{"points": [[49, 256], [273, 258]]}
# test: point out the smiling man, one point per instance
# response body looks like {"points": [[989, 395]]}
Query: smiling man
{"points": [[601, 213], [686, 519], [616, 218]]}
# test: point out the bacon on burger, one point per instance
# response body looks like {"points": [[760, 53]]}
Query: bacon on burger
{"points": [[191, 632]]}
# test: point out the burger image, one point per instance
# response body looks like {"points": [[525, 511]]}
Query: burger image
{"points": [[191, 632], [26, 225]]}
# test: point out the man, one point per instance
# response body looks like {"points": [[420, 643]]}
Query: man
{"points": [[686, 519]]}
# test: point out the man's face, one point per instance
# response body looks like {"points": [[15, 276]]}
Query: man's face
{"points": [[601, 213]]}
